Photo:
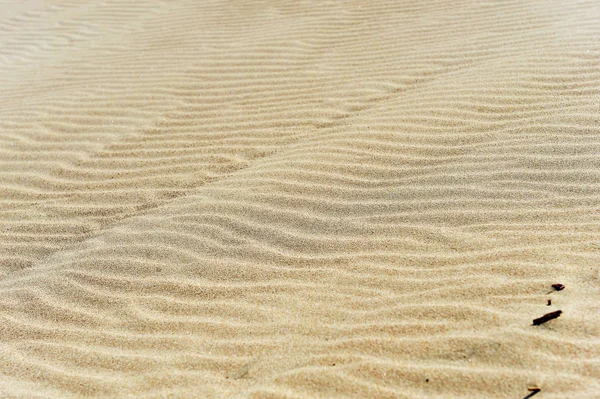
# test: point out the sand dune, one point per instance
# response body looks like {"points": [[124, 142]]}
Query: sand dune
{"points": [[299, 199]]}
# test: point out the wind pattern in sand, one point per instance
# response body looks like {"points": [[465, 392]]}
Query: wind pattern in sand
{"points": [[298, 199]]}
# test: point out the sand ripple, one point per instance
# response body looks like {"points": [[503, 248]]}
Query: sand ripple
{"points": [[299, 199]]}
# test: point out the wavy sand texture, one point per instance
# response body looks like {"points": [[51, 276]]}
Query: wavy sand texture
{"points": [[296, 199]]}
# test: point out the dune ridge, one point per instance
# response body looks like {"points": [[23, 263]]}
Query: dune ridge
{"points": [[299, 199]]}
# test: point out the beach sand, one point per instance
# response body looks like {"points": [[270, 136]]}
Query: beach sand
{"points": [[299, 199]]}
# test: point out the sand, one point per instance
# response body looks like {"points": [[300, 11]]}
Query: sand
{"points": [[299, 199]]}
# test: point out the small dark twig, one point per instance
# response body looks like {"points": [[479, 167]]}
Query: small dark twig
{"points": [[546, 317], [533, 391]]}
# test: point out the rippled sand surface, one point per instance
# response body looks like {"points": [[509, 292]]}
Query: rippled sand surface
{"points": [[299, 199]]}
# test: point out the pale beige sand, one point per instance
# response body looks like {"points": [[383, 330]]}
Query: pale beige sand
{"points": [[299, 198]]}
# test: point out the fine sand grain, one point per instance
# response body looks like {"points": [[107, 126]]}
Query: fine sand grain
{"points": [[299, 199]]}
